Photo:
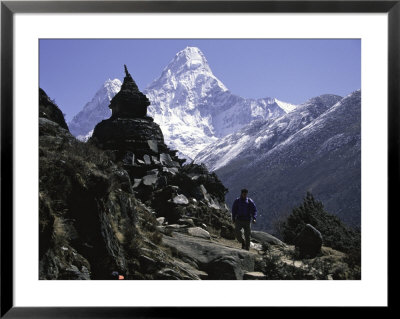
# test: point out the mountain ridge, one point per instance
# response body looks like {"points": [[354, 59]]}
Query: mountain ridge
{"points": [[95, 110], [192, 106], [282, 127], [321, 155]]}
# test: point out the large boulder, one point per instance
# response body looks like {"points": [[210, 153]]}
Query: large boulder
{"points": [[309, 242], [198, 232], [219, 262], [266, 239]]}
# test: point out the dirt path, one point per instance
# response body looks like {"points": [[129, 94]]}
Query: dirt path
{"points": [[232, 243]]}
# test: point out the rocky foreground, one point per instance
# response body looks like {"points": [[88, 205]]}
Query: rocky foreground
{"points": [[91, 225], [125, 204]]}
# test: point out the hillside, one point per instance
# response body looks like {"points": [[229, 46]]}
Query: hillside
{"points": [[315, 148], [125, 205]]}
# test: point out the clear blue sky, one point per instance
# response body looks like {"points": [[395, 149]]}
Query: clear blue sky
{"points": [[71, 71]]}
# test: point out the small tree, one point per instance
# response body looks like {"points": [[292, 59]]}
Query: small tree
{"points": [[334, 233], [307, 213]]}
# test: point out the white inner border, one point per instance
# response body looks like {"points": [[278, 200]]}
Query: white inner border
{"points": [[370, 291]]}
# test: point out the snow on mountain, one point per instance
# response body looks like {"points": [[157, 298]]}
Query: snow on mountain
{"points": [[84, 138], [264, 134], [315, 148], [192, 106], [287, 107], [94, 111]]}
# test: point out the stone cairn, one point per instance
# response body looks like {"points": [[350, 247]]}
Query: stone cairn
{"points": [[133, 136], [157, 175]]}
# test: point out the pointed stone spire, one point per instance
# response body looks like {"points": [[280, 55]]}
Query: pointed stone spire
{"points": [[129, 102], [126, 70]]}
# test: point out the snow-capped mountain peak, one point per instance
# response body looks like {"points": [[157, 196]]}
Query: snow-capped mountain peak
{"points": [[112, 87], [191, 58], [94, 111], [192, 106], [190, 69]]}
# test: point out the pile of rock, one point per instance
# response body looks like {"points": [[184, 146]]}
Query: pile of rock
{"points": [[130, 129], [158, 176]]}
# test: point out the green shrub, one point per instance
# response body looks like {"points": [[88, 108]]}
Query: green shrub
{"points": [[335, 234]]}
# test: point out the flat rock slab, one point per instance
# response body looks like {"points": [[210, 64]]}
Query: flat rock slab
{"points": [[254, 276], [166, 160], [219, 262], [198, 232], [191, 270], [153, 145], [265, 238], [176, 226]]}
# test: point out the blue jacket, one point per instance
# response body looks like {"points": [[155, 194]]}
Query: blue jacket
{"points": [[244, 209]]}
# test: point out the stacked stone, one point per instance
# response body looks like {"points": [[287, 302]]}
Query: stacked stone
{"points": [[129, 102], [177, 193], [131, 134]]}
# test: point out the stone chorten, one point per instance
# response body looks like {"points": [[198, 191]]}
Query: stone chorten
{"points": [[157, 175], [132, 135], [129, 102]]}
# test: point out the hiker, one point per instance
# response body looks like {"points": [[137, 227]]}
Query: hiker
{"points": [[244, 212]]}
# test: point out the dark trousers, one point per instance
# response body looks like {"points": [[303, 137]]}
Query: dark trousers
{"points": [[245, 225]]}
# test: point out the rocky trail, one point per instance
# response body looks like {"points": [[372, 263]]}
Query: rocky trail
{"points": [[211, 257]]}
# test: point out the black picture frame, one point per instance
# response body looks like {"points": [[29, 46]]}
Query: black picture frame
{"points": [[9, 8]]}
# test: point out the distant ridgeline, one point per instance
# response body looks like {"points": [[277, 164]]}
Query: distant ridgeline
{"points": [[316, 148]]}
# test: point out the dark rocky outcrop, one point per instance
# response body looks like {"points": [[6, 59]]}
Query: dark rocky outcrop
{"points": [[90, 222], [98, 208], [309, 242], [49, 110]]}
